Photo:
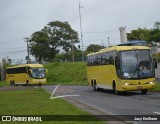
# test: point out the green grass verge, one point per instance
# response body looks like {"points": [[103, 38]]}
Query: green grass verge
{"points": [[157, 56], [67, 73], [37, 102], [157, 87], [2, 83]]}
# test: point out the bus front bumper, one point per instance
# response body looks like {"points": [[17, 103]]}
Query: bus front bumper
{"points": [[137, 87], [39, 81]]}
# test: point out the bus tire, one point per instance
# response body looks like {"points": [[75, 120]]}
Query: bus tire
{"points": [[115, 88], [144, 91], [13, 83], [94, 85], [27, 83], [91, 83]]}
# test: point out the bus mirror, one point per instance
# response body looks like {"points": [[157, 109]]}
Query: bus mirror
{"points": [[155, 63], [30, 71], [46, 70]]}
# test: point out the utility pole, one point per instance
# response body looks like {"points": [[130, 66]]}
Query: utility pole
{"points": [[102, 43], [2, 70], [72, 47], [72, 52], [108, 42], [81, 30], [27, 39]]}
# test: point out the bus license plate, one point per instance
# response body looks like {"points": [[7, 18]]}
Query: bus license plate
{"points": [[139, 87]]}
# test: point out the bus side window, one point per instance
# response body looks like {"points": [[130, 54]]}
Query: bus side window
{"points": [[105, 59], [98, 59], [111, 61], [88, 61]]}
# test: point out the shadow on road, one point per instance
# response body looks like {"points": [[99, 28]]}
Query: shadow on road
{"points": [[130, 93]]}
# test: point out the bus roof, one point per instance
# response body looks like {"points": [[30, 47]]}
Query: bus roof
{"points": [[27, 65], [134, 43], [120, 48]]}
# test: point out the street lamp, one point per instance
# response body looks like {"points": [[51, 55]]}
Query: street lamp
{"points": [[108, 42], [27, 40], [81, 30]]}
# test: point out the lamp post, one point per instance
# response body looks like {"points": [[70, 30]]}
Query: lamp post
{"points": [[27, 39], [108, 42], [81, 30]]}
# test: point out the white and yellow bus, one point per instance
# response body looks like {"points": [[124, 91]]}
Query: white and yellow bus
{"points": [[26, 74], [122, 68]]}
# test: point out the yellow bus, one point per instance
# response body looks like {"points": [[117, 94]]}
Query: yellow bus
{"points": [[122, 68], [26, 74]]}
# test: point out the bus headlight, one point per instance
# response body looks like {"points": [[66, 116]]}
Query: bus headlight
{"points": [[150, 82], [126, 84]]}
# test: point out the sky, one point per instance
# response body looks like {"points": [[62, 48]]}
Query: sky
{"points": [[100, 19]]}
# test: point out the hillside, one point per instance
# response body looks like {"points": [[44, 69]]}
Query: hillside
{"points": [[66, 73]]}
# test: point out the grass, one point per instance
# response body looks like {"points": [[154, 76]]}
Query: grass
{"points": [[157, 87], [37, 102], [66, 73], [2, 83], [157, 56]]}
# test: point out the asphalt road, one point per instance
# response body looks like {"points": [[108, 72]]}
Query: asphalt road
{"points": [[131, 103]]}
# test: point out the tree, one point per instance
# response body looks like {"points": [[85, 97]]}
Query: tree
{"points": [[39, 46], [61, 35], [155, 33], [157, 25], [139, 34], [152, 36], [47, 42], [94, 48]]}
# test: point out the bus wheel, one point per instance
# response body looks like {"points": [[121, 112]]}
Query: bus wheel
{"points": [[91, 83], [11, 83], [15, 84], [27, 83], [144, 91], [115, 88], [94, 85]]}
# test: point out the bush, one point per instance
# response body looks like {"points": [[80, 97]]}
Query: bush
{"points": [[157, 56]]}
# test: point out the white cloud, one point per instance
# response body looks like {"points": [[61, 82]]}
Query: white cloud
{"points": [[21, 18]]}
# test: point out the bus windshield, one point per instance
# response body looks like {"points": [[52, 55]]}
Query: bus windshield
{"points": [[38, 73], [136, 64]]}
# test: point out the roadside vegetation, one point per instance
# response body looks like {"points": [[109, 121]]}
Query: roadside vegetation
{"points": [[66, 73], [37, 102], [157, 56], [2, 83], [157, 88]]}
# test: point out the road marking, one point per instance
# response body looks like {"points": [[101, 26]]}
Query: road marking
{"points": [[157, 113], [62, 96], [55, 97]]}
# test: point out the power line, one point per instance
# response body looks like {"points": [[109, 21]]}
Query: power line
{"points": [[100, 32], [10, 42], [11, 47], [14, 52]]}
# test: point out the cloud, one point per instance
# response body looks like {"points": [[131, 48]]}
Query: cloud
{"points": [[100, 19]]}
